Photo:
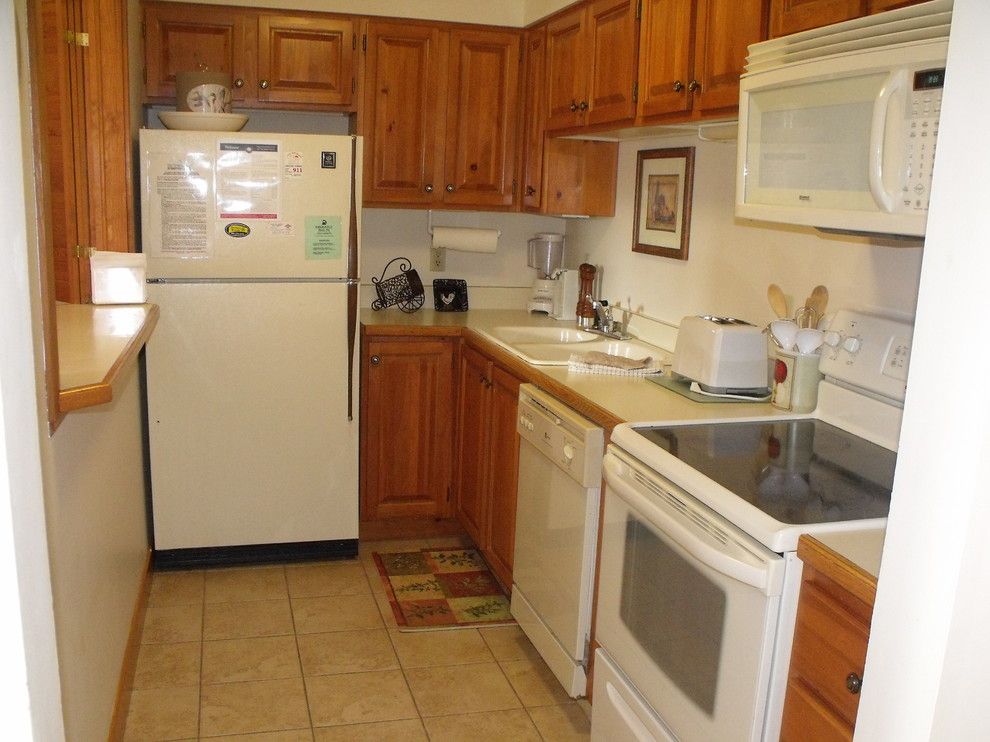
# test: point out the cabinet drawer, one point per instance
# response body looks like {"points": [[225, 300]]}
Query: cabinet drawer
{"points": [[807, 718], [829, 643]]}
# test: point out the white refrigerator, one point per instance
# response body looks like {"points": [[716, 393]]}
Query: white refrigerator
{"points": [[252, 249]]}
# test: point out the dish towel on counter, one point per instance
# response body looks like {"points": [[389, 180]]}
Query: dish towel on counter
{"points": [[594, 362]]}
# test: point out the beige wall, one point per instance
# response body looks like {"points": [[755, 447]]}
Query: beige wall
{"points": [[732, 261], [95, 498]]}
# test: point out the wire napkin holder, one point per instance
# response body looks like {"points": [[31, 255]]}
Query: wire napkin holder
{"points": [[404, 289]]}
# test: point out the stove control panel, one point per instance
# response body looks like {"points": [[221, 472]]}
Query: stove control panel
{"points": [[869, 352]]}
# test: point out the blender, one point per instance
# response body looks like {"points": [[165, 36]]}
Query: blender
{"points": [[555, 288]]}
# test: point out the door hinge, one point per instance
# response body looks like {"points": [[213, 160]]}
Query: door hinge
{"points": [[77, 38], [585, 661], [448, 493], [354, 41], [513, 187], [84, 252], [639, 10], [636, 92], [353, 85], [364, 42]]}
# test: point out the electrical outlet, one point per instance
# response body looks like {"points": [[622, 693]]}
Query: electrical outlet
{"points": [[438, 259]]}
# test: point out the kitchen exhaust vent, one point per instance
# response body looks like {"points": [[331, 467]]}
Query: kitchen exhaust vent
{"points": [[903, 26]]}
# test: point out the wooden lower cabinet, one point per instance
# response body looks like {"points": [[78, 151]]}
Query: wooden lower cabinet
{"points": [[487, 458], [830, 637], [407, 427]]}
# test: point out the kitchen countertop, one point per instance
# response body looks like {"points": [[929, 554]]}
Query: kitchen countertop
{"points": [[96, 342], [608, 400]]}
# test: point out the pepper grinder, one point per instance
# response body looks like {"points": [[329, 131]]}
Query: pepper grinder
{"points": [[585, 311]]}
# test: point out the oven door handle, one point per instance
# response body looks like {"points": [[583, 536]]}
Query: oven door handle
{"points": [[756, 571]]}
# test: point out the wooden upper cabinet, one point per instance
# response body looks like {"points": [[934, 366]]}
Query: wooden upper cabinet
{"points": [[482, 115], [306, 59], [725, 29], [534, 79], [791, 16], [298, 60], [613, 44], [440, 116], [693, 52], [180, 37], [403, 112], [591, 61], [667, 39], [566, 69]]}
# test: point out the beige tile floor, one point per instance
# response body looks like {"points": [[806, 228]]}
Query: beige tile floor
{"points": [[310, 652]]}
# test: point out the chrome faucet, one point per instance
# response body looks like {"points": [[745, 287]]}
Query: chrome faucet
{"points": [[604, 324]]}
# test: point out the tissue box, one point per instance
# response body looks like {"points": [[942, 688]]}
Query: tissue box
{"points": [[118, 277]]}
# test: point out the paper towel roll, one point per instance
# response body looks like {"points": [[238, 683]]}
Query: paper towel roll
{"points": [[465, 239]]}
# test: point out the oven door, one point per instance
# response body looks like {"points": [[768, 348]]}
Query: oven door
{"points": [[687, 606]]}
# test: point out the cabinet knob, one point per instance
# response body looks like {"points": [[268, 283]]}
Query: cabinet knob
{"points": [[263, 84], [574, 106], [450, 188], [239, 83], [694, 85], [584, 105], [678, 86], [428, 188], [854, 683], [376, 360], [530, 191]]}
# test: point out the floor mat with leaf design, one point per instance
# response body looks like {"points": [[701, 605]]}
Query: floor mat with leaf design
{"points": [[441, 589]]}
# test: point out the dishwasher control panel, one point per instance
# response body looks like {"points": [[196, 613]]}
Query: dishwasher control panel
{"points": [[573, 443]]}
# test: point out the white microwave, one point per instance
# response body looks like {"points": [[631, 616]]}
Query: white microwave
{"points": [[838, 126]]}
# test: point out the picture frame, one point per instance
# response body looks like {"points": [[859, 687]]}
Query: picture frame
{"points": [[664, 190]]}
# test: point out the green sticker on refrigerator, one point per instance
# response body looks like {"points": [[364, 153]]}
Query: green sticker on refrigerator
{"points": [[323, 238]]}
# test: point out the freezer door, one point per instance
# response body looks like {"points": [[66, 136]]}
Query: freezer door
{"points": [[246, 205], [247, 410]]}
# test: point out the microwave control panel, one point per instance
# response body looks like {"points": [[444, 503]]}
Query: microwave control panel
{"points": [[923, 112]]}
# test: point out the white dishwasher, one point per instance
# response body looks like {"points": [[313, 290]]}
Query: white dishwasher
{"points": [[553, 571]]}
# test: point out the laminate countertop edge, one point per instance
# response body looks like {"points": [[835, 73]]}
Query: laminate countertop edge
{"points": [[96, 344]]}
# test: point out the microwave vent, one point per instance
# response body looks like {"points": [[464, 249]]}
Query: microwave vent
{"points": [[915, 23]]}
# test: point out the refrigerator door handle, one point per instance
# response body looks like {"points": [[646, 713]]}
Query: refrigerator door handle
{"points": [[352, 289]]}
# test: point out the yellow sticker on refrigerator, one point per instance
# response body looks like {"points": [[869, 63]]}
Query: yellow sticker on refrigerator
{"points": [[323, 238]]}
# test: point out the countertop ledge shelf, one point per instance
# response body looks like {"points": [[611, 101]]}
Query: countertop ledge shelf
{"points": [[95, 344]]}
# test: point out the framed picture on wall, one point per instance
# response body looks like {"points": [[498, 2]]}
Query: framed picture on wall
{"points": [[664, 186]]}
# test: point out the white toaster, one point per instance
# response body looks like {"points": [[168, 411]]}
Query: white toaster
{"points": [[722, 354]]}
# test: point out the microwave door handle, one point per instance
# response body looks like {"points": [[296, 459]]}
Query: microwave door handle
{"points": [[895, 83], [761, 577]]}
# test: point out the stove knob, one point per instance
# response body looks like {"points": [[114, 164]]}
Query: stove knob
{"points": [[852, 344], [832, 339]]}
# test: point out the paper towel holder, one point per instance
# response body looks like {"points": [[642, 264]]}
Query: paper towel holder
{"points": [[429, 223], [438, 255]]}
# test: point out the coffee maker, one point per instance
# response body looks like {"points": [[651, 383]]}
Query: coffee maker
{"points": [[555, 289]]}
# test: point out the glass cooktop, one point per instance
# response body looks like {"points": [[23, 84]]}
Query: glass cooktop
{"points": [[796, 471]]}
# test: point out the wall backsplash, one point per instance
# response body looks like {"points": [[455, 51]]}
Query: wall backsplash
{"points": [[732, 261], [388, 233]]}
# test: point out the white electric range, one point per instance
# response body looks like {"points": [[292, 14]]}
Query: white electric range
{"points": [[699, 580]]}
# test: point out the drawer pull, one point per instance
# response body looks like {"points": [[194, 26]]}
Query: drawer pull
{"points": [[375, 360], [854, 683]]}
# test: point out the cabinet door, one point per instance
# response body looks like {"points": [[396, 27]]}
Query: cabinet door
{"points": [[406, 428], [567, 70], [580, 177], [180, 37], [613, 44], [503, 474], [791, 16], [725, 28], [403, 113], [482, 118], [665, 74], [473, 454], [305, 59], [535, 48]]}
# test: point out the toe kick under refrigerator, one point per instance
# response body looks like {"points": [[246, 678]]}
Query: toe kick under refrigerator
{"points": [[252, 249]]}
